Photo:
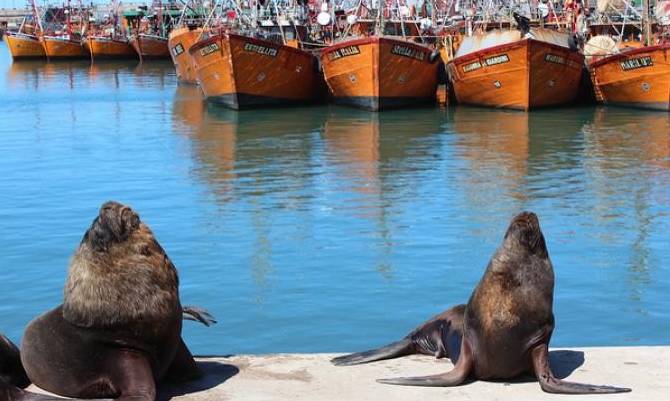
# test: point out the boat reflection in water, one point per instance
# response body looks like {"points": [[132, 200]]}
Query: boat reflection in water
{"points": [[232, 146]]}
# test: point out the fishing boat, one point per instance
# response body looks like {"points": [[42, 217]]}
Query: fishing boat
{"points": [[25, 43], [378, 62], [180, 41], [380, 72], [635, 76], [245, 72], [108, 39], [66, 43], [64, 46], [149, 38], [149, 46], [518, 69], [109, 47]]}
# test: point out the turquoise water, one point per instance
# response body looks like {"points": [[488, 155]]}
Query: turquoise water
{"points": [[330, 229]]}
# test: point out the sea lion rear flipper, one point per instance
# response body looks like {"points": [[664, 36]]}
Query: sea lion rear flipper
{"points": [[393, 350], [452, 378], [197, 314], [550, 384]]}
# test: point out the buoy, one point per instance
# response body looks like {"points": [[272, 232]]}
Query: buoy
{"points": [[323, 18], [351, 19]]}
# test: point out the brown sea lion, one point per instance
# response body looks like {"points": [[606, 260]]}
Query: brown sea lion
{"points": [[505, 328], [118, 331]]}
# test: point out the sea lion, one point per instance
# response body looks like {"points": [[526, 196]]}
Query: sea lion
{"points": [[11, 370], [505, 328], [118, 331]]}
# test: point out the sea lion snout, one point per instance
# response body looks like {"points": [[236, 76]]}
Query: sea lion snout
{"points": [[115, 223], [529, 219]]}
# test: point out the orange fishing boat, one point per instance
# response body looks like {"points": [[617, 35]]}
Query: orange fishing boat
{"points": [[507, 68], [180, 41], [637, 77], [23, 45], [380, 72], [242, 72], [150, 46], [66, 46], [109, 47]]}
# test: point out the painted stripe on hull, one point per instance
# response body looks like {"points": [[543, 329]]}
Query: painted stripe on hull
{"points": [[374, 103], [243, 101]]}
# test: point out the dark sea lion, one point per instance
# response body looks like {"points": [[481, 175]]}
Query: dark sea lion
{"points": [[11, 370], [118, 331], [505, 328]]}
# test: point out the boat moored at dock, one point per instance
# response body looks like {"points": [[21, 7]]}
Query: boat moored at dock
{"points": [[243, 72], [24, 46], [380, 72], [109, 47], [637, 77], [180, 41], [63, 47], [149, 46], [513, 69]]}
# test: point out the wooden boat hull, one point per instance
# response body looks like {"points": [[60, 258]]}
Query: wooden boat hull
{"points": [[522, 75], [636, 78], [108, 48], [179, 43], [378, 73], [58, 48], [23, 46], [241, 72], [150, 46]]}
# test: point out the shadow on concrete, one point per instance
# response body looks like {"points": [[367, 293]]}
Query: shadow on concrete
{"points": [[564, 362], [214, 373]]}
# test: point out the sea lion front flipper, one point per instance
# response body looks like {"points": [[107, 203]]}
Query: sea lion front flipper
{"points": [[197, 314], [393, 350], [454, 377], [551, 384]]}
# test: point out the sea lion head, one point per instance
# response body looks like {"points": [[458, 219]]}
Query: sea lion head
{"points": [[524, 234], [114, 224], [119, 274]]}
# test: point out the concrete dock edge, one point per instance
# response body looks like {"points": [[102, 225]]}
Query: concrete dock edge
{"points": [[311, 377]]}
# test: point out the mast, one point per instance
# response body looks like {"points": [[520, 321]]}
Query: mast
{"points": [[646, 23]]}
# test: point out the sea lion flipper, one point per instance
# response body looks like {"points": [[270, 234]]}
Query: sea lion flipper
{"points": [[393, 350], [198, 314], [454, 377], [551, 384]]}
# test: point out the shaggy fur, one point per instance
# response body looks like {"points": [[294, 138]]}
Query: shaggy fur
{"points": [[120, 274]]}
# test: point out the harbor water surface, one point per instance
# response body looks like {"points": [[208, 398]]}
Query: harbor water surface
{"points": [[324, 228]]}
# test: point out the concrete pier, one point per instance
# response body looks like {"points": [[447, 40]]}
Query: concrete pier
{"points": [[311, 377]]}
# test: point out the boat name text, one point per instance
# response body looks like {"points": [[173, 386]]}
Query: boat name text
{"points": [[266, 51], [635, 63], [556, 59], [407, 51], [344, 52], [501, 59], [177, 49], [209, 49], [472, 66]]}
